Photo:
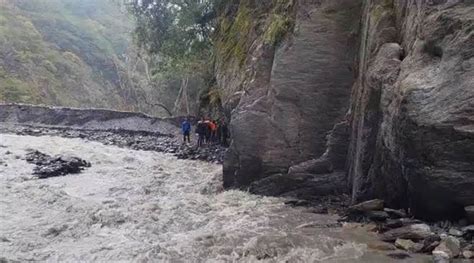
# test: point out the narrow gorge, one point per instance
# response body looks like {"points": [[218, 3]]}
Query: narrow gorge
{"points": [[369, 98], [296, 131]]}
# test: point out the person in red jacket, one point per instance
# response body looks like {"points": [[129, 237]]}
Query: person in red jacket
{"points": [[213, 126]]}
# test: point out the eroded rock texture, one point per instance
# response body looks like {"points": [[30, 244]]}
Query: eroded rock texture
{"points": [[380, 90], [285, 120], [412, 137]]}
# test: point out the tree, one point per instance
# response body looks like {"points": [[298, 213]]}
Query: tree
{"points": [[178, 34]]}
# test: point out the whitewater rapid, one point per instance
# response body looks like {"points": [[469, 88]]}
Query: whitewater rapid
{"points": [[151, 207]]}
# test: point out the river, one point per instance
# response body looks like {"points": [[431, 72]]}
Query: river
{"points": [[151, 207]]}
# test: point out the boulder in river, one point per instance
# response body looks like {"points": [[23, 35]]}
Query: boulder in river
{"points": [[413, 232], [48, 166]]}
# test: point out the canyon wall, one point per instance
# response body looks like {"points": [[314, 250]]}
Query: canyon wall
{"points": [[370, 97]]}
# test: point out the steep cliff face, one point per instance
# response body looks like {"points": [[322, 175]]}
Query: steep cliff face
{"points": [[390, 82], [299, 92], [412, 107]]}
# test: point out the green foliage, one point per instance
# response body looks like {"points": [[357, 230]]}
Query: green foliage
{"points": [[64, 52], [15, 90], [177, 31], [273, 19], [234, 34], [279, 26]]}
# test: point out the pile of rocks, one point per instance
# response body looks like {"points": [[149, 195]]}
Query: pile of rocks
{"points": [[209, 153], [443, 240], [48, 166], [136, 140]]}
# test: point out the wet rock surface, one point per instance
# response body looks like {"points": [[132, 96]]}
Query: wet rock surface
{"points": [[444, 240], [49, 166]]}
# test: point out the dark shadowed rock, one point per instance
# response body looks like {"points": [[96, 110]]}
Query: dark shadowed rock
{"points": [[470, 213], [371, 205], [394, 213], [302, 185], [47, 166], [377, 216], [430, 243], [396, 223]]}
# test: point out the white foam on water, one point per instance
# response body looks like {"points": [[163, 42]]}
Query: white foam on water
{"points": [[146, 206]]}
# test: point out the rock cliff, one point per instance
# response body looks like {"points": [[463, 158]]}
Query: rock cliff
{"points": [[370, 97]]}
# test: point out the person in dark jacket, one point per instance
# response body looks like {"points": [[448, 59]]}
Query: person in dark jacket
{"points": [[224, 133], [201, 129], [186, 130], [208, 130]]}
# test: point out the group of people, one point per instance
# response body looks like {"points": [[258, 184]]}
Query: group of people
{"points": [[208, 131]]}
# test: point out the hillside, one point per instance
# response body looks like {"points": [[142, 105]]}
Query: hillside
{"points": [[70, 53]]}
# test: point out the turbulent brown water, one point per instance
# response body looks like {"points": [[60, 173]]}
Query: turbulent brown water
{"points": [[148, 206]]}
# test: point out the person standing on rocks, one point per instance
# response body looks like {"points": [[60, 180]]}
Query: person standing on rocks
{"points": [[208, 129], [213, 126], [186, 129], [224, 133], [201, 130]]}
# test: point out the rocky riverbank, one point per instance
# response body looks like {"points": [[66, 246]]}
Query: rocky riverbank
{"points": [[444, 240], [136, 140]]}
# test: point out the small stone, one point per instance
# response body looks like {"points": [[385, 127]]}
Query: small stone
{"points": [[455, 232], [450, 245], [371, 205], [470, 213], [428, 248], [468, 254], [454, 245], [469, 247], [408, 245], [440, 257]]}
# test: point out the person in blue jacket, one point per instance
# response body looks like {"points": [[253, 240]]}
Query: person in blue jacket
{"points": [[186, 129]]}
